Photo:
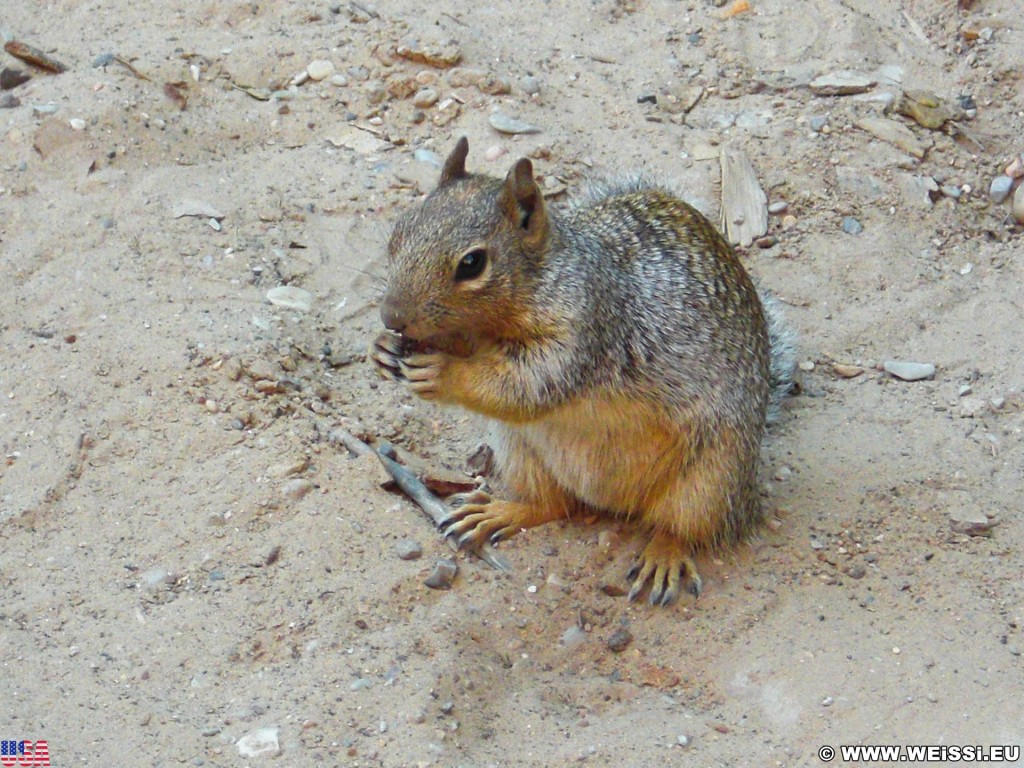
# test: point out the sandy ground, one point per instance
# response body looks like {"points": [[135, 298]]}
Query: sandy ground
{"points": [[189, 559]]}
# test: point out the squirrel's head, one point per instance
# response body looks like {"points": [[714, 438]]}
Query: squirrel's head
{"points": [[461, 265]]}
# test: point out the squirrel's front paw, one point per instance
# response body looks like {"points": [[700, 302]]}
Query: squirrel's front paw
{"points": [[422, 372], [386, 353], [478, 519]]}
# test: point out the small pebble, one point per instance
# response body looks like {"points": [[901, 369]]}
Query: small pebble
{"points": [[847, 371], [258, 743], [951, 191], [338, 80], [298, 488], [851, 226], [103, 59], [424, 98], [909, 371], [827, 701], [426, 156], [530, 85], [841, 83], [573, 636], [620, 640], [779, 206], [971, 522], [442, 575], [505, 124], [683, 740], [290, 297], [156, 579], [362, 684], [1016, 168], [788, 221], [494, 152], [806, 366], [320, 69], [613, 590], [856, 572], [1018, 205], [818, 122], [1000, 188], [408, 549]]}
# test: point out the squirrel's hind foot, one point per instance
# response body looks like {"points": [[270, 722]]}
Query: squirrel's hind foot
{"points": [[669, 571]]}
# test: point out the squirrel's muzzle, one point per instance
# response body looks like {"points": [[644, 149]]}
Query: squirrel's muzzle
{"points": [[391, 314]]}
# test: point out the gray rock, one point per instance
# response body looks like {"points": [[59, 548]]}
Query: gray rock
{"points": [[408, 549], [818, 122], [362, 684], [908, 371], [778, 207], [851, 226], [505, 124], [971, 522], [573, 636], [442, 575], [156, 579], [859, 183], [620, 640], [530, 85], [896, 134], [1000, 188], [842, 83]]}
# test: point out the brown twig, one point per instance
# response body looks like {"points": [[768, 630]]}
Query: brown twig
{"points": [[411, 485], [32, 55]]}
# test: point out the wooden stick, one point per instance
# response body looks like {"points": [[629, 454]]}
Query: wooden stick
{"points": [[435, 509], [32, 55]]}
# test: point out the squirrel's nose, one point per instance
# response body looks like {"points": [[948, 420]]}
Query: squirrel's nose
{"points": [[392, 316]]}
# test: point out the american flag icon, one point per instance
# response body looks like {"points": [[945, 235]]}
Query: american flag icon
{"points": [[22, 752]]}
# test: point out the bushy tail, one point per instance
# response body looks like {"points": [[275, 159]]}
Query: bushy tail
{"points": [[782, 343]]}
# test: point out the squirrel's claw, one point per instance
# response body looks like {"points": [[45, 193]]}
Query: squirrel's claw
{"points": [[477, 519], [422, 372], [386, 352], [668, 571]]}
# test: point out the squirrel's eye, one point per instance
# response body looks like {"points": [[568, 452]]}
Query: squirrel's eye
{"points": [[471, 265]]}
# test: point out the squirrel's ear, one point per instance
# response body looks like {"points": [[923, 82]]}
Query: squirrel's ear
{"points": [[522, 202], [455, 166]]}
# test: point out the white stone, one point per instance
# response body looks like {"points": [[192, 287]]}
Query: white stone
{"points": [[290, 297], [259, 743], [909, 371], [320, 69]]}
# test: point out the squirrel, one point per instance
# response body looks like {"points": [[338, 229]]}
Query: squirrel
{"points": [[621, 350]]}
